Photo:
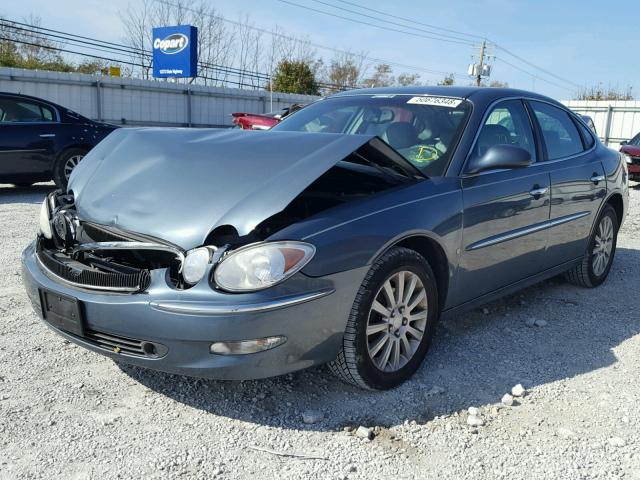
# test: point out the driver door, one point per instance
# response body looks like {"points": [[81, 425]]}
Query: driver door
{"points": [[504, 210]]}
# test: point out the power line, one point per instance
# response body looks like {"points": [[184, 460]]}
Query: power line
{"points": [[411, 20], [533, 75], [521, 59], [414, 34], [312, 44], [413, 26], [551, 74]]}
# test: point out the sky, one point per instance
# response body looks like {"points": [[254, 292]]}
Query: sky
{"points": [[584, 43]]}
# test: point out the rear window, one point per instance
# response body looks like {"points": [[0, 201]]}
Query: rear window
{"points": [[560, 134], [423, 129]]}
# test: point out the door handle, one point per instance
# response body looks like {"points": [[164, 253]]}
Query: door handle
{"points": [[597, 178], [538, 192], [47, 135]]}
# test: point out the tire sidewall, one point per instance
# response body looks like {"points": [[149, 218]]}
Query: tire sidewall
{"points": [[593, 278], [396, 262]]}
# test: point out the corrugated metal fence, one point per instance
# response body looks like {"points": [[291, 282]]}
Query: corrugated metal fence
{"points": [[128, 101], [615, 120]]}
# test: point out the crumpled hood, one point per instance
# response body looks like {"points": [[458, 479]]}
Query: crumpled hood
{"points": [[179, 184]]}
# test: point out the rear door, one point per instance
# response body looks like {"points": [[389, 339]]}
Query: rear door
{"points": [[578, 184], [503, 209], [27, 137]]}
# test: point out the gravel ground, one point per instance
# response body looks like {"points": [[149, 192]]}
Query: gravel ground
{"points": [[68, 413]]}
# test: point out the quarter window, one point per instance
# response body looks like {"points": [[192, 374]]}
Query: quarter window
{"points": [[560, 134], [507, 124]]}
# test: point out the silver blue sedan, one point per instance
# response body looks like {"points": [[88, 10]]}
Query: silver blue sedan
{"points": [[341, 236]]}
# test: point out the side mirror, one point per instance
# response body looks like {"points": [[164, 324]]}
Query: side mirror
{"points": [[624, 142], [500, 156]]}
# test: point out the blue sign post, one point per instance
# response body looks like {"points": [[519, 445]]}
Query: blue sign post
{"points": [[175, 52]]}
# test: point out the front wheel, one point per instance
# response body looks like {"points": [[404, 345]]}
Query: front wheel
{"points": [[65, 164], [597, 261], [391, 323]]}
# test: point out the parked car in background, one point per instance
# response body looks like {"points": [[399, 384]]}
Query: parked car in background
{"points": [[341, 236], [42, 141], [631, 149], [262, 121], [589, 121]]}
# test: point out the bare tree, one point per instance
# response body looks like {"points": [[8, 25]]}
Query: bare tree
{"points": [[215, 39], [408, 79], [345, 71], [382, 76]]}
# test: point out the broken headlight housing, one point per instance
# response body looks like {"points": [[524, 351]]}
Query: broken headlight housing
{"points": [[45, 220], [259, 266]]}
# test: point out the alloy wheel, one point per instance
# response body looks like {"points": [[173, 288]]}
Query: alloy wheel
{"points": [[397, 321], [71, 163], [603, 245]]}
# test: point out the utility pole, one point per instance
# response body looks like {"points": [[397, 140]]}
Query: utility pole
{"points": [[481, 64]]}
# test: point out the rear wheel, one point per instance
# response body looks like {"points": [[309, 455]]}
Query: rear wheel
{"points": [[391, 322], [67, 161], [595, 266]]}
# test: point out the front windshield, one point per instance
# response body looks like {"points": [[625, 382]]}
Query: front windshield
{"points": [[423, 129]]}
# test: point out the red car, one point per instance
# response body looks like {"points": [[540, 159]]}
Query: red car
{"points": [[632, 149], [255, 121], [262, 121]]}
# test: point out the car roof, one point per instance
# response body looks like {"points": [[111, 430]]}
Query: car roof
{"points": [[29, 97], [475, 94]]}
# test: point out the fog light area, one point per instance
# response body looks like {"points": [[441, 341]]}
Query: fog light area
{"points": [[244, 347]]}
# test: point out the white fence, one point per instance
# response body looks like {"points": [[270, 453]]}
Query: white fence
{"points": [[127, 101], [615, 120]]}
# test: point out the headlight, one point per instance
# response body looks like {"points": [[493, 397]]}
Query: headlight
{"points": [[195, 264], [627, 159], [45, 223], [261, 266]]}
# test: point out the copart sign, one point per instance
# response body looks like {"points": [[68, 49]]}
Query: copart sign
{"points": [[175, 51]]}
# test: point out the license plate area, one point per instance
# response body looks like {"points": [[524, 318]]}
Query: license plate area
{"points": [[62, 311]]}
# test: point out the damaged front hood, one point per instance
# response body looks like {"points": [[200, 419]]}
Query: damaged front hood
{"points": [[179, 184]]}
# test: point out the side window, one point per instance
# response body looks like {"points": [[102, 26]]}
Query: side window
{"points": [[23, 111], [587, 137], [560, 134], [507, 124]]}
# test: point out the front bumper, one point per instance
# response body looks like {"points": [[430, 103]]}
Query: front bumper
{"points": [[311, 312]]}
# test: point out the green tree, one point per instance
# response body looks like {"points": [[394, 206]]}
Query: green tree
{"points": [[293, 76]]}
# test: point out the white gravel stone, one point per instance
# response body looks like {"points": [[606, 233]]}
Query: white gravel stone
{"points": [[475, 421], [617, 442], [518, 391], [364, 432], [507, 400], [312, 416], [541, 323], [473, 411], [530, 322]]}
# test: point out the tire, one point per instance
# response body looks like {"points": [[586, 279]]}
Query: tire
{"points": [[65, 164], [589, 273], [358, 362]]}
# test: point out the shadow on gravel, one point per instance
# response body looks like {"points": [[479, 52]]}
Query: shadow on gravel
{"points": [[33, 194], [475, 359]]}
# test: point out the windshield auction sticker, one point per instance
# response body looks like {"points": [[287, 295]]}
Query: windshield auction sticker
{"points": [[436, 101]]}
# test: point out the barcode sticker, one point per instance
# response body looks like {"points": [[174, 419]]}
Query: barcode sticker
{"points": [[436, 101]]}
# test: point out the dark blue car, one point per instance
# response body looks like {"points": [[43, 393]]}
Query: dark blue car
{"points": [[341, 236], [42, 141]]}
